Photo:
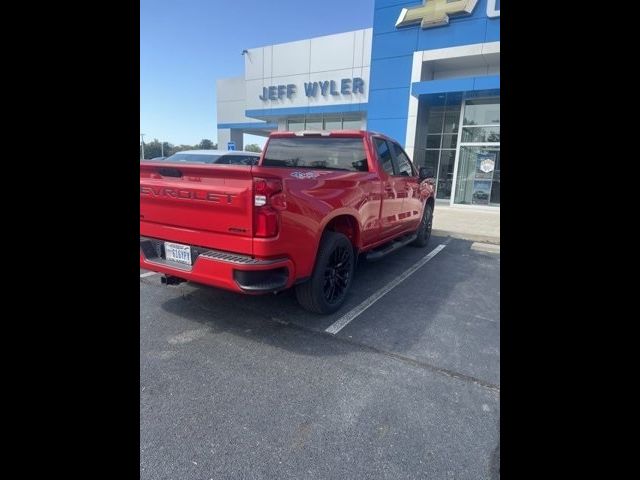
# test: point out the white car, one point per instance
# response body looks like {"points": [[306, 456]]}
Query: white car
{"points": [[219, 157]]}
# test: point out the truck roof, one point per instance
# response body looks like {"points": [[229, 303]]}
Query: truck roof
{"points": [[327, 133]]}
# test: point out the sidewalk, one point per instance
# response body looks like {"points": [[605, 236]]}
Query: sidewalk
{"points": [[468, 224]]}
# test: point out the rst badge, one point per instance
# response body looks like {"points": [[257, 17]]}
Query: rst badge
{"points": [[307, 175], [434, 13]]}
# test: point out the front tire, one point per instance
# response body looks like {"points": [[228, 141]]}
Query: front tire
{"points": [[424, 229], [329, 285]]}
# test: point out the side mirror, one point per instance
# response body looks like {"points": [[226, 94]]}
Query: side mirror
{"points": [[425, 173]]}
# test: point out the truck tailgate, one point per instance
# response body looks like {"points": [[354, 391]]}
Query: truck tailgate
{"points": [[214, 200]]}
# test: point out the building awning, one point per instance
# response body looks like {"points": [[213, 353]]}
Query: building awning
{"points": [[467, 86], [269, 113], [250, 125]]}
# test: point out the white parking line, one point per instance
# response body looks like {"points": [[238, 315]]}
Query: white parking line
{"points": [[355, 312], [148, 274]]}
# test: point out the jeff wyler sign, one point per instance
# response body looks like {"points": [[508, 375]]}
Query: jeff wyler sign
{"points": [[346, 86]]}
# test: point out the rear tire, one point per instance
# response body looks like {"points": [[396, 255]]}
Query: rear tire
{"points": [[330, 282], [424, 229]]}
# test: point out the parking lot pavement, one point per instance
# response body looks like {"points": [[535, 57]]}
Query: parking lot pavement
{"points": [[146, 273], [252, 387]]}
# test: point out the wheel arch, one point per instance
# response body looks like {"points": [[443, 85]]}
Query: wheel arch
{"points": [[344, 222]]}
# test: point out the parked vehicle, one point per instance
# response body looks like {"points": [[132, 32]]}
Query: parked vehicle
{"points": [[219, 157], [314, 203], [481, 195]]}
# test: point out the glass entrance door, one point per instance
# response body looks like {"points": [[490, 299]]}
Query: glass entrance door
{"points": [[478, 175], [478, 169], [436, 140]]}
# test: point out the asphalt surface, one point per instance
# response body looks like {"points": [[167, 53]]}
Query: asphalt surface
{"points": [[236, 386]]}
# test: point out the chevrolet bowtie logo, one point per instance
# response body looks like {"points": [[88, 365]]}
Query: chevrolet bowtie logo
{"points": [[434, 13]]}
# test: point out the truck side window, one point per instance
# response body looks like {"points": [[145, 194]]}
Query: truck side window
{"points": [[404, 164], [384, 155]]}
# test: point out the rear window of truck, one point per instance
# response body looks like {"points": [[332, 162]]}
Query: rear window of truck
{"points": [[317, 152]]}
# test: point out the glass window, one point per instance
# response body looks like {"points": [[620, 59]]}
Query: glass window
{"points": [[404, 164], [426, 158], [431, 159], [485, 111], [435, 117], [480, 134], [433, 141], [333, 123], [478, 174], [494, 199], [478, 181], [352, 124], [451, 120], [316, 152], [449, 141], [295, 125], [313, 124], [445, 174], [384, 155]]}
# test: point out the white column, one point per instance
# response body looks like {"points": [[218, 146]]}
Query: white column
{"points": [[455, 163], [412, 119], [224, 136], [237, 137]]}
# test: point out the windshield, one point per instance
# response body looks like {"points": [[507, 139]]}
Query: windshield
{"points": [[213, 158], [317, 152]]}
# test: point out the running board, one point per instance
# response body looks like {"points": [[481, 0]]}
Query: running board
{"points": [[391, 247]]}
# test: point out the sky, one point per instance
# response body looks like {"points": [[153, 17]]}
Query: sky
{"points": [[186, 45]]}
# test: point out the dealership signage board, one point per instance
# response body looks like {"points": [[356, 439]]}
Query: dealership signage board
{"points": [[348, 86], [435, 13]]}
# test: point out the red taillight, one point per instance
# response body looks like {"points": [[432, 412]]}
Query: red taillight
{"points": [[266, 202]]}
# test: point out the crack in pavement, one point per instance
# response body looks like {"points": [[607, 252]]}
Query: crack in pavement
{"points": [[404, 358], [397, 356]]}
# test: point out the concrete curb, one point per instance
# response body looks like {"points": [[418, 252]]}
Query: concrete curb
{"points": [[485, 247], [466, 236]]}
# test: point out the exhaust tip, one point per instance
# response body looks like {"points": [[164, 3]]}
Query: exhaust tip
{"points": [[171, 280]]}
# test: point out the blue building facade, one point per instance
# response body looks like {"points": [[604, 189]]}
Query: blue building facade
{"points": [[429, 72], [437, 90]]}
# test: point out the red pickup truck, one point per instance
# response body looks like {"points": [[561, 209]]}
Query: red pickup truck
{"points": [[300, 217]]}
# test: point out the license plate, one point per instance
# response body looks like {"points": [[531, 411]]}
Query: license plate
{"points": [[177, 253]]}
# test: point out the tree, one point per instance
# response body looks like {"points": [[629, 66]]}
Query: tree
{"points": [[156, 149], [182, 148], [152, 149], [206, 144], [252, 147]]}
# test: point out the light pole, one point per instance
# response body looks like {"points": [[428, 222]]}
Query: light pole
{"points": [[142, 143], [162, 149]]}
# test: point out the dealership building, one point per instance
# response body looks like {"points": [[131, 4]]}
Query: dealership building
{"points": [[426, 74]]}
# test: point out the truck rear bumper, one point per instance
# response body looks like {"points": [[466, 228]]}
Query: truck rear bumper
{"points": [[230, 271]]}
